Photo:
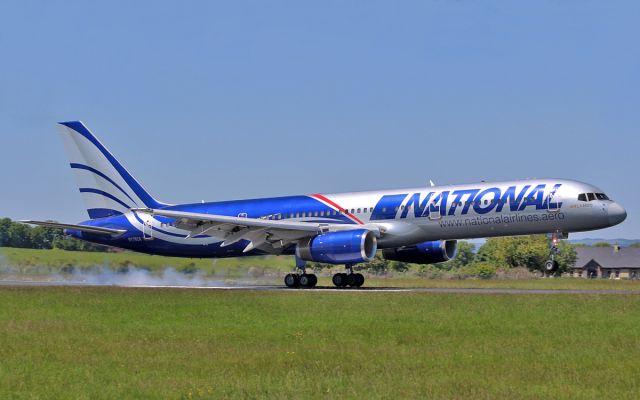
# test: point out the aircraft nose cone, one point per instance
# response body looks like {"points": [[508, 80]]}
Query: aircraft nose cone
{"points": [[616, 213]]}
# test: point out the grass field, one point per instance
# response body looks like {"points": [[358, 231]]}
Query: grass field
{"points": [[73, 342]]}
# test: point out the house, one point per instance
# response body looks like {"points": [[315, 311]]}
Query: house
{"points": [[613, 262]]}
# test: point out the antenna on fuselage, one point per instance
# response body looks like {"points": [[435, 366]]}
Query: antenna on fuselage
{"points": [[431, 183]]}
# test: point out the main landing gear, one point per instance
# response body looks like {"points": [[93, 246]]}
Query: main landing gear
{"points": [[303, 280], [343, 279], [300, 278]]}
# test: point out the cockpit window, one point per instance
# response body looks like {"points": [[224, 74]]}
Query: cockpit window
{"points": [[592, 196]]}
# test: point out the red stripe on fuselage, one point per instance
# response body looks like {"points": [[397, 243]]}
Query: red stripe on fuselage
{"points": [[334, 205]]}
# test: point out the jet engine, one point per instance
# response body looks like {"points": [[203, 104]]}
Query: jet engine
{"points": [[423, 253], [342, 247]]}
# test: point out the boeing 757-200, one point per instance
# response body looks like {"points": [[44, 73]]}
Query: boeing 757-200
{"points": [[417, 225]]}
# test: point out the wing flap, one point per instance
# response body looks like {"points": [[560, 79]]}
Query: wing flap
{"points": [[238, 221]]}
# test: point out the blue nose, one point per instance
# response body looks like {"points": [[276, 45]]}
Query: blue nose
{"points": [[616, 213]]}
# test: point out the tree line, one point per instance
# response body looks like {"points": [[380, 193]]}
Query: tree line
{"points": [[501, 253], [15, 234]]}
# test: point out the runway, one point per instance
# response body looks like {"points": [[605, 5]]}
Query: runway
{"points": [[331, 289]]}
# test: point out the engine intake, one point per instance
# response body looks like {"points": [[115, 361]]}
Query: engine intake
{"points": [[342, 247], [423, 253]]}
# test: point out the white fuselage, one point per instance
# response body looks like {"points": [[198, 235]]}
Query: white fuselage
{"points": [[485, 209]]}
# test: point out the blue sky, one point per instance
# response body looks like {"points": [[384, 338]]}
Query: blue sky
{"points": [[214, 101]]}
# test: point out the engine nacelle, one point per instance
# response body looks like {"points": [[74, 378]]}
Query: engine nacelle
{"points": [[423, 253], [342, 247]]}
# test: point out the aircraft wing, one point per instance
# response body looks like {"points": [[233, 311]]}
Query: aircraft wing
{"points": [[266, 234], [83, 228]]}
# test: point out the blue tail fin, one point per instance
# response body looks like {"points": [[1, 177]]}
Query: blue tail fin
{"points": [[107, 187]]}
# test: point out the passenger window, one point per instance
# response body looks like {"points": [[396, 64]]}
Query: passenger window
{"points": [[358, 211], [591, 196], [371, 209], [582, 197], [364, 210]]}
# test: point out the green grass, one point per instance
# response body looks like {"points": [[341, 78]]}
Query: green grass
{"points": [[92, 343], [533, 283]]}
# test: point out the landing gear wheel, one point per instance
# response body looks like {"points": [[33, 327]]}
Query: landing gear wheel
{"points": [[551, 266], [358, 280], [292, 280], [308, 280], [339, 279]]}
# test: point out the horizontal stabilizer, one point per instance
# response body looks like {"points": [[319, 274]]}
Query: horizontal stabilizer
{"points": [[83, 228]]}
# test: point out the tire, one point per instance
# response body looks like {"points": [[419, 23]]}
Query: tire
{"points": [[314, 280], [306, 281], [340, 280], [291, 281], [351, 280], [359, 280], [551, 266]]}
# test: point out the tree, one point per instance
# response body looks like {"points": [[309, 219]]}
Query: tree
{"points": [[377, 266], [491, 252], [5, 224], [524, 251], [43, 237], [18, 236], [465, 254], [602, 244], [483, 270], [399, 266]]}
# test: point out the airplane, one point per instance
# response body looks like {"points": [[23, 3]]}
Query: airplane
{"points": [[418, 225]]}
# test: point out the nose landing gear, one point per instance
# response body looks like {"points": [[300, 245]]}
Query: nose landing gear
{"points": [[551, 265]]}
